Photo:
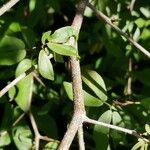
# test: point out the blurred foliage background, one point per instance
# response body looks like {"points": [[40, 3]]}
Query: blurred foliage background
{"points": [[101, 50]]}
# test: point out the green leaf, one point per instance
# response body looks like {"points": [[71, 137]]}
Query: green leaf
{"points": [[63, 34], [23, 66], [12, 50], [106, 118], [23, 98], [95, 82], [22, 137], [4, 138], [45, 67], [145, 35], [136, 34], [46, 37], [89, 100], [51, 146], [61, 49], [147, 128], [101, 134], [138, 145], [140, 22], [145, 12], [117, 119]]}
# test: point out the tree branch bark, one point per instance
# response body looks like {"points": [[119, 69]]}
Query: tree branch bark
{"points": [[7, 6], [79, 109]]}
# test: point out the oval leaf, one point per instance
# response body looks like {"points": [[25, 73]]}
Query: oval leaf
{"points": [[51, 146], [23, 98], [45, 66], [22, 137], [63, 34], [147, 128], [61, 49], [95, 82], [12, 50], [106, 118], [89, 100]]}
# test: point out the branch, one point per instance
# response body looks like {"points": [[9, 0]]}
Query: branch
{"points": [[131, 5], [128, 131], [7, 6], [79, 109], [81, 138], [107, 20], [15, 81]]}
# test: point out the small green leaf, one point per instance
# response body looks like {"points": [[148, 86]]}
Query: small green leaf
{"points": [[89, 100], [140, 22], [23, 98], [12, 50], [147, 128], [63, 34], [95, 82], [4, 138], [136, 34], [145, 12], [51, 146], [46, 37], [61, 49], [45, 66], [22, 137], [138, 145]]}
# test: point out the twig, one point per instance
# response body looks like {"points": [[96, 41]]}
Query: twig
{"points": [[18, 119], [131, 5], [15, 81], [81, 138], [35, 129], [7, 6], [129, 85], [128, 131], [118, 30], [79, 109]]}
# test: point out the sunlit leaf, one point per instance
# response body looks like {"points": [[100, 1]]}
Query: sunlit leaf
{"points": [[12, 50], [22, 137], [147, 128], [44, 65], [4, 138], [23, 98], [61, 49], [51, 146], [63, 34], [46, 37], [138, 145]]}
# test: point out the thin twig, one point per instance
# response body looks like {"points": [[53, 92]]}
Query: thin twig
{"points": [[129, 85], [100, 15], [7, 6], [35, 129], [128, 131], [15, 81], [18, 119], [81, 138], [79, 109], [131, 5]]}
